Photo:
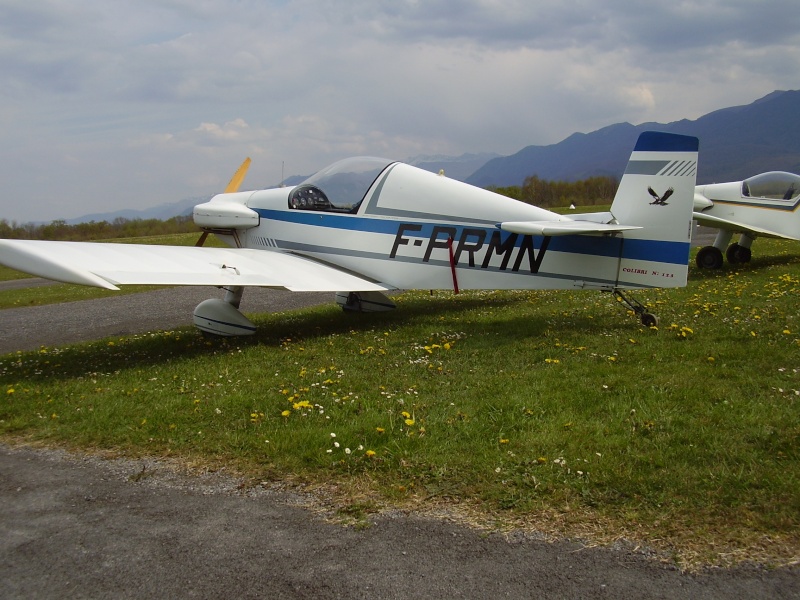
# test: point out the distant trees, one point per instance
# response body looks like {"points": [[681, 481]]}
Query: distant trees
{"points": [[550, 194], [539, 192], [96, 230]]}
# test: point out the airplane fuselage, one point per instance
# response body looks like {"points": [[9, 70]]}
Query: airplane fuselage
{"points": [[773, 206], [393, 237]]}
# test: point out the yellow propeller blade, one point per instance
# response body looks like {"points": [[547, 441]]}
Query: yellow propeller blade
{"points": [[238, 177]]}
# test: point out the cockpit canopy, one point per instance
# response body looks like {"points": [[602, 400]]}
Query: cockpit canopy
{"points": [[340, 187], [777, 185]]}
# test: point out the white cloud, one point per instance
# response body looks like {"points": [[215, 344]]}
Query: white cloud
{"points": [[128, 103]]}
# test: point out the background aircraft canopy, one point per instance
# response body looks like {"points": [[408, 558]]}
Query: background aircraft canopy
{"points": [[777, 185]]}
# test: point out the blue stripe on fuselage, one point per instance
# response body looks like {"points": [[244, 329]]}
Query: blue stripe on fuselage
{"points": [[635, 249]]}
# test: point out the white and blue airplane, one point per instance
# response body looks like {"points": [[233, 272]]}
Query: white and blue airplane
{"points": [[365, 226], [764, 205]]}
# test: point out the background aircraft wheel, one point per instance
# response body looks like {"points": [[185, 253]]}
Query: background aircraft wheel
{"points": [[709, 258], [738, 254], [743, 254], [649, 320], [732, 254]]}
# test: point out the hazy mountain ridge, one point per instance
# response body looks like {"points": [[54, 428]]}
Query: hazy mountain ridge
{"points": [[735, 143]]}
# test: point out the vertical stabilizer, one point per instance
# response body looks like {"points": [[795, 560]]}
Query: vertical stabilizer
{"points": [[657, 194]]}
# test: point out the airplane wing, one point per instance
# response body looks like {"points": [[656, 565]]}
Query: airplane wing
{"points": [[109, 265], [719, 223], [553, 228]]}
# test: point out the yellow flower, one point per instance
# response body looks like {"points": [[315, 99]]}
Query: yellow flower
{"points": [[380, 429], [286, 413], [370, 453], [10, 391], [409, 422], [503, 441], [405, 414]]}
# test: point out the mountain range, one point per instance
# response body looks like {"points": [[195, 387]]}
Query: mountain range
{"points": [[735, 143]]}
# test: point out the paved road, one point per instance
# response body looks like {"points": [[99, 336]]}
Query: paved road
{"points": [[29, 328], [77, 527]]}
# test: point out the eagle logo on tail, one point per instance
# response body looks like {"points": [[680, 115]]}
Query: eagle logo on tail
{"points": [[660, 200]]}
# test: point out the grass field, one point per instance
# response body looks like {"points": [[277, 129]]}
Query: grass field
{"points": [[550, 411]]}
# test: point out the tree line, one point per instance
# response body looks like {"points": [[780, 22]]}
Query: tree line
{"points": [[551, 194], [96, 230], [536, 191]]}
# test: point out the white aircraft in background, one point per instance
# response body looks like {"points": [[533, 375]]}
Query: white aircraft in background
{"points": [[364, 226], [765, 205]]}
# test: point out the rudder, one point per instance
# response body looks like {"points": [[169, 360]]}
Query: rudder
{"points": [[657, 193]]}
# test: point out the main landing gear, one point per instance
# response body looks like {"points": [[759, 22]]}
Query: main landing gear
{"points": [[710, 257], [648, 319]]}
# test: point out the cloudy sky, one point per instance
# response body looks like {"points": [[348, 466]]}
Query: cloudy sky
{"points": [[134, 103]]}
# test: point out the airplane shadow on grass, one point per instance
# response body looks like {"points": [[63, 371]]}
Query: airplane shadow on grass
{"points": [[496, 315]]}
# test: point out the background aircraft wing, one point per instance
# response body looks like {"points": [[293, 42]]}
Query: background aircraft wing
{"points": [[719, 223], [109, 265], [552, 228]]}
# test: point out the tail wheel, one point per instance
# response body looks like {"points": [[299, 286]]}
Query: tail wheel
{"points": [[649, 320]]}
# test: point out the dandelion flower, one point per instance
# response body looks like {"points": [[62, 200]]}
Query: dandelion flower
{"points": [[409, 422], [380, 429], [370, 453], [286, 413]]}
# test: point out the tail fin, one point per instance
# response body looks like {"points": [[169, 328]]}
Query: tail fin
{"points": [[657, 194]]}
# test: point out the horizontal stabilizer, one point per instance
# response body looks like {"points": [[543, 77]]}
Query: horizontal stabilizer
{"points": [[567, 227]]}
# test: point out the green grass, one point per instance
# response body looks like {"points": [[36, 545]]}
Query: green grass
{"points": [[549, 410]]}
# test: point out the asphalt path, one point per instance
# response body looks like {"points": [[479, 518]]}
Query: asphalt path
{"points": [[78, 526], [31, 327]]}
